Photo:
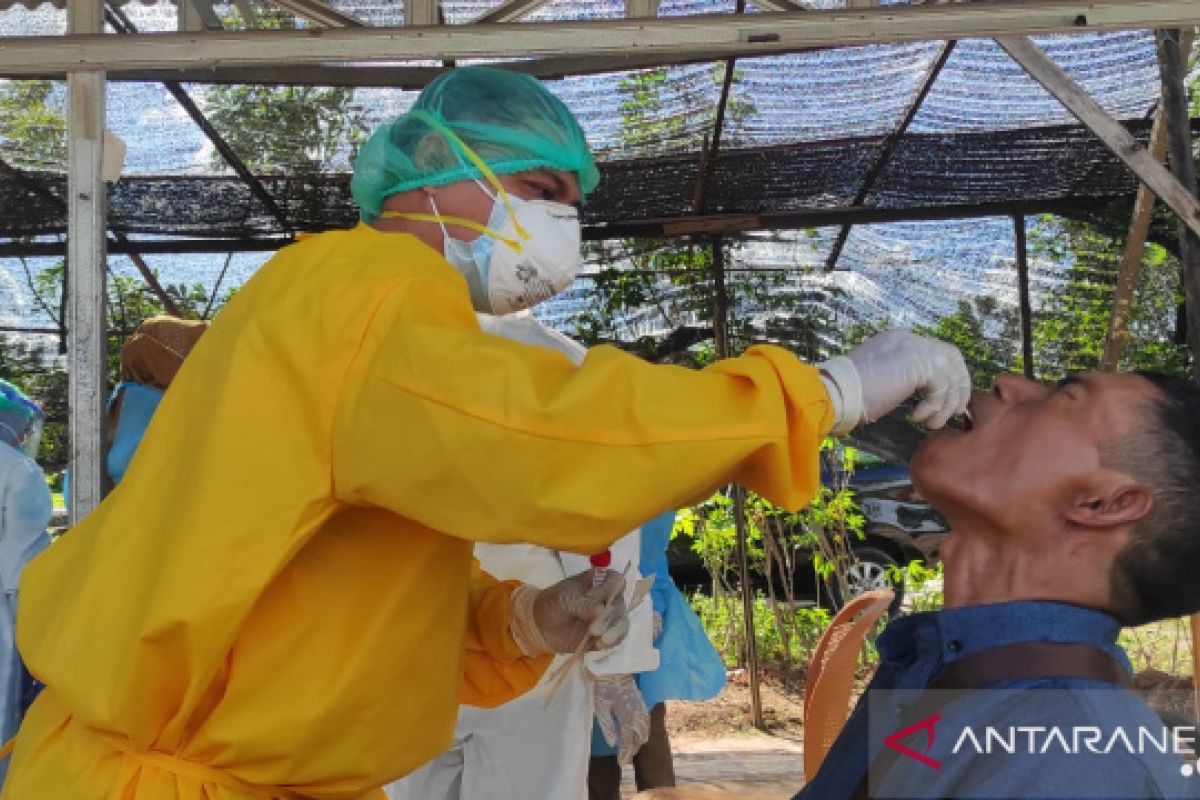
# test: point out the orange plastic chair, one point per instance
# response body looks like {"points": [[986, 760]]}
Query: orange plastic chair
{"points": [[830, 680], [685, 793]]}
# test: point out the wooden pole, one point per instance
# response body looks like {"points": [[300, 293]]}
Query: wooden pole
{"points": [[1172, 67], [1196, 664], [1131, 260], [1023, 295], [721, 334]]}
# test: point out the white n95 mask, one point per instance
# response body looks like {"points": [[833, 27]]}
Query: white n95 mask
{"points": [[546, 262], [529, 251]]}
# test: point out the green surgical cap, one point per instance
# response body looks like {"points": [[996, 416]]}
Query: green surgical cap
{"points": [[511, 121]]}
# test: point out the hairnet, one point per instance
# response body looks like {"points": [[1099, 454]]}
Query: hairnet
{"points": [[511, 121], [20, 419]]}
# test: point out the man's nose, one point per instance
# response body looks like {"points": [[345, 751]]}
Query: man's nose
{"points": [[1015, 388]]}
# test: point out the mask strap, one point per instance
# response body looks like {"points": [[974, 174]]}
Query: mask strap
{"points": [[461, 221], [440, 127]]}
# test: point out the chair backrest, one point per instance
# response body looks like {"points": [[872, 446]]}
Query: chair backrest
{"points": [[830, 679]]}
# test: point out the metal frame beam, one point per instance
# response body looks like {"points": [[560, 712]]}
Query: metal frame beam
{"points": [[123, 26], [889, 146], [709, 225], [778, 6], [86, 212], [1026, 308], [1112, 133], [720, 36]]}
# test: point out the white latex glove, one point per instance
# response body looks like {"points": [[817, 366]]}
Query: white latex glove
{"points": [[621, 714], [558, 618], [886, 369]]}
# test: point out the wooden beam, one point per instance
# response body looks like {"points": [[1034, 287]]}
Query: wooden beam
{"points": [[1130, 269], [248, 14], [719, 35], [641, 8], [198, 15], [1026, 309], [86, 211], [511, 11], [383, 76], [1112, 133], [319, 13], [420, 12]]}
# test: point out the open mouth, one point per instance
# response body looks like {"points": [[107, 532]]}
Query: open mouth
{"points": [[964, 423]]}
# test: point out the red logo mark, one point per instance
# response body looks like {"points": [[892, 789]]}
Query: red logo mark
{"points": [[927, 725]]}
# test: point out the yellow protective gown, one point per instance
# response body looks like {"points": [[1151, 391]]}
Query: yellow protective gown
{"points": [[279, 600]]}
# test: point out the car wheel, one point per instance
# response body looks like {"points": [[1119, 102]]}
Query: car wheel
{"points": [[873, 570]]}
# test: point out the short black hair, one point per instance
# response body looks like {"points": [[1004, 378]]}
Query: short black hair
{"points": [[1155, 576]]}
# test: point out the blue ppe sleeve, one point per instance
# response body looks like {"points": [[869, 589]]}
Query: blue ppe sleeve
{"points": [[137, 409]]}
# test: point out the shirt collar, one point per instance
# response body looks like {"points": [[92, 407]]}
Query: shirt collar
{"points": [[956, 633]]}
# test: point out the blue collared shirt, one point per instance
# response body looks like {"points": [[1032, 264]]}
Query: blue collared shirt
{"points": [[914, 649]]}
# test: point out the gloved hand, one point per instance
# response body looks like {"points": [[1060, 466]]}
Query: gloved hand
{"points": [[886, 369], [621, 714], [557, 619]]}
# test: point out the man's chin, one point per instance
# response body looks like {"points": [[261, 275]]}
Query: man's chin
{"points": [[927, 453], [933, 465]]}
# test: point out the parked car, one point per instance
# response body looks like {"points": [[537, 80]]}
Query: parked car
{"points": [[900, 527]]}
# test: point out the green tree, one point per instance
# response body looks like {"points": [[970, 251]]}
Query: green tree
{"points": [[1070, 328], [286, 129], [33, 132]]}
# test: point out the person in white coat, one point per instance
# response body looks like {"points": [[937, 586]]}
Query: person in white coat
{"points": [[538, 745], [25, 508]]}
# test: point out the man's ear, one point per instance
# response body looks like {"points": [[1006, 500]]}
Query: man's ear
{"points": [[1111, 506]]}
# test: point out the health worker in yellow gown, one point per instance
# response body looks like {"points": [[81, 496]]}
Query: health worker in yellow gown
{"points": [[279, 599]]}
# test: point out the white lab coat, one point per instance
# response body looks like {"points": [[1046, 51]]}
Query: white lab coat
{"points": [[25, 507], [528, 749]]}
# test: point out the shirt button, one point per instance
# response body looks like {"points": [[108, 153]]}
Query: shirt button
{"points": [[954, 646]]}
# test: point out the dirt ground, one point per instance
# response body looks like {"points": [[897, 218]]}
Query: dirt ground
{"points": [[716, 746], [728, 714]]}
